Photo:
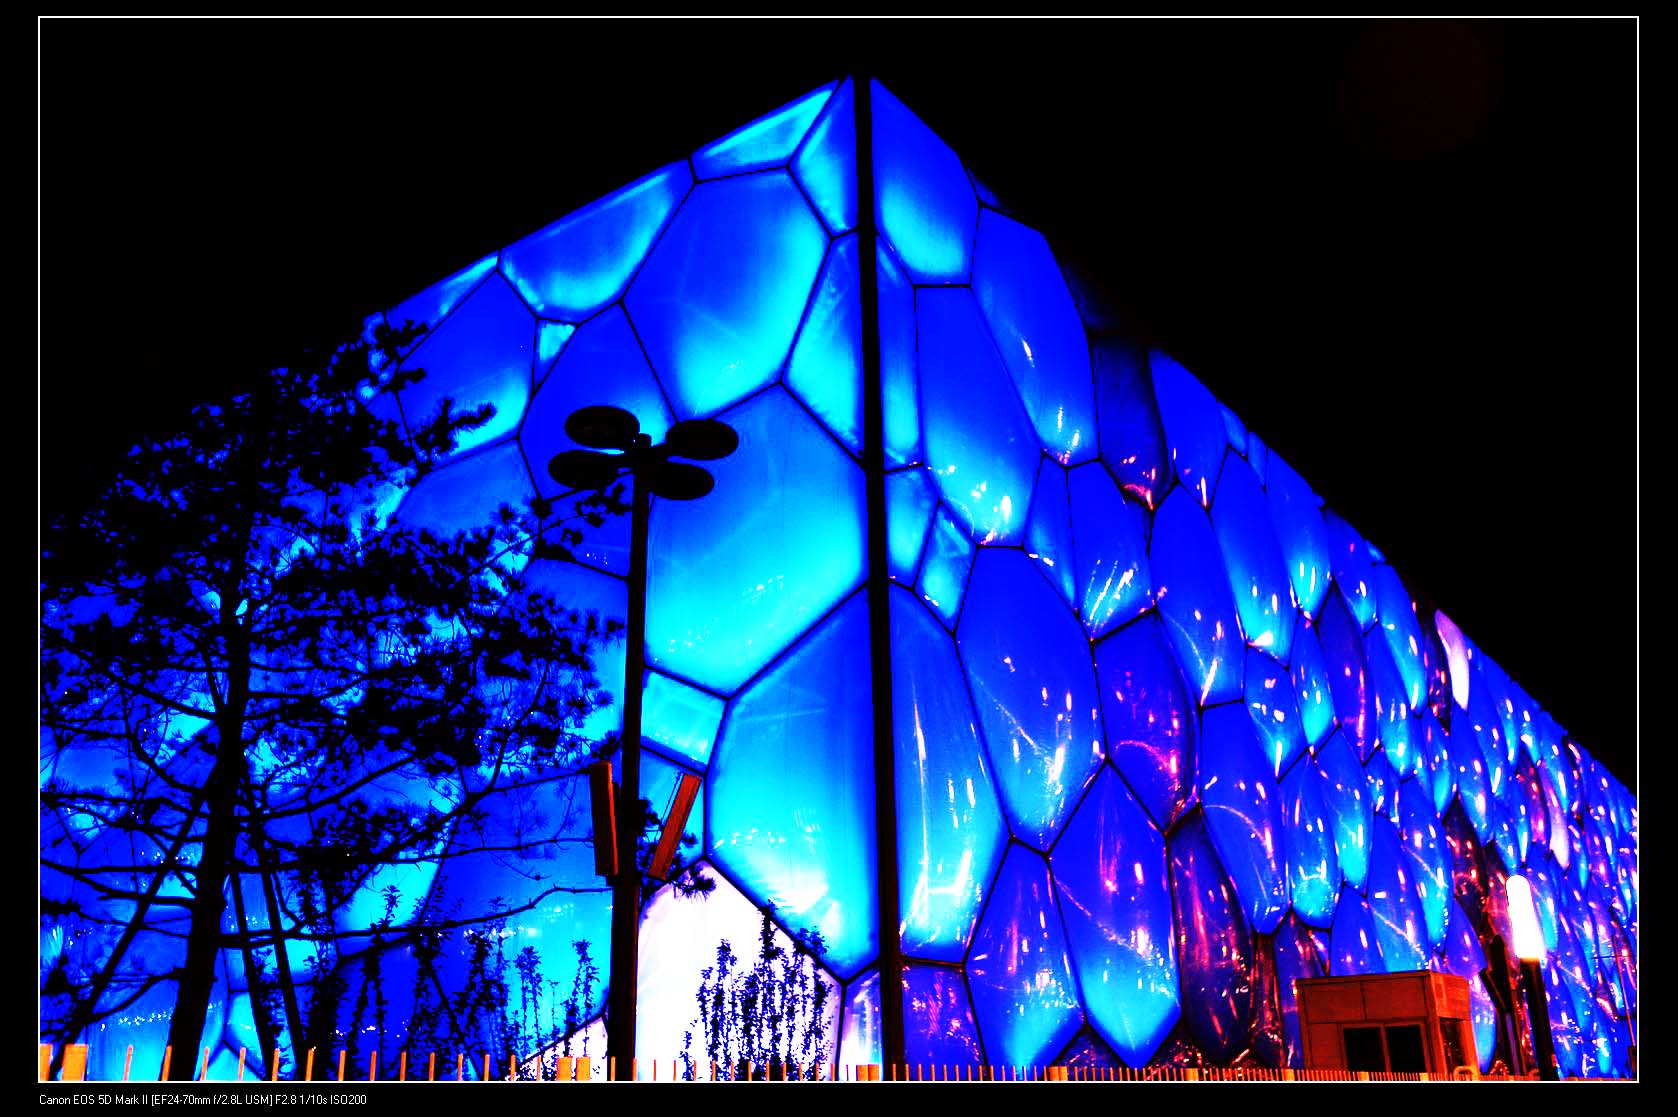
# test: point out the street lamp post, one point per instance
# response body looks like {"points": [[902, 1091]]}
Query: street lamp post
{"points": [[1529, 948], [651, 470]]}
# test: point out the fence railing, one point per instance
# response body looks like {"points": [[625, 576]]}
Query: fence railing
{"points": [[564, 1068]]}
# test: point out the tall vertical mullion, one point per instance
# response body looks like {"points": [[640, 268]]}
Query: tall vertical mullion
{"points": [[892, 1046]]}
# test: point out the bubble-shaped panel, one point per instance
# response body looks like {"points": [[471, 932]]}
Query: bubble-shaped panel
{"points": [[734, 578], [1243, 813], [1433, 745], [1296, 959], [577, 587], [944, 570], [1568, 964], [1132, 440], [1308, 841], [1116, 898], [1481, 723], [463, 495], [722, 294], [1403, 632], [910, 499], [1522, 713], [899, 381], [481, 354], [1214, 950], [1465, 958], [1030, 312], [1354, 947], [682, 718], [1257, 575], [1087, 1057], [1110, 537], [1311, 686], [1035, 692], [1148, 716], [602, 364], [1435, 666], [825, 370], [1392, 897], [1194, 600], [1470, 876], [433, 304], [1505, 834], [1580, 863], [1019, 969], [1297, 512], [1456, 658], [1194, 427], [1275, 712], [1578, 970], [1350, 562], [1527, 792], [1541, 874], [1348, 674], [1491, 676], [1235, 429], [1566, 1033], [922, 199], [938, 1024], [551, 338], [1598, 790], [1561, 766], [1599, 852], [1424, 843], [768, 141], [1258, 456], [792, 789], [1048, 531], [1473, 792], [1392, 724], [979, 443], [1383, 783], [861, 1038], [826, 163], [581, 262], [1352, 814], [949, 823]]}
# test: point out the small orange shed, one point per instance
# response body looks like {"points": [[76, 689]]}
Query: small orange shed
{"points": [[1414, 1022]]}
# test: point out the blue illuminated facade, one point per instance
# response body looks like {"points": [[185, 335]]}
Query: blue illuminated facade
{"points": [[1167, 733]]}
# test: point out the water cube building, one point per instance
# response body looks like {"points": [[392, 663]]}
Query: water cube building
{"points": [[1166, 733]]}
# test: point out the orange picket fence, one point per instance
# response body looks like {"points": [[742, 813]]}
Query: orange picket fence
{"points": [[553, 1067]]}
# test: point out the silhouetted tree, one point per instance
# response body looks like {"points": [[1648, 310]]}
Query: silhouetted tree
{"points": [[767, 1021], [250, 673]]}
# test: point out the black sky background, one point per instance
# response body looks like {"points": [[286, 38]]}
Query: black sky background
{"points": [[1404, 253]]}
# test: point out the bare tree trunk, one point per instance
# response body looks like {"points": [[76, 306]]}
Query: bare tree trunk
{"points": [[282, 960], [266, 1036], [203, 942]]}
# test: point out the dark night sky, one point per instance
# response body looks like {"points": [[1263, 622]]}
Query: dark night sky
{"points": [[1403, 253]]}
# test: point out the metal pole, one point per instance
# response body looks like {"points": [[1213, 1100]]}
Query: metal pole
{"points": [[626, 889], [893, 1050], [1539, 1010]]}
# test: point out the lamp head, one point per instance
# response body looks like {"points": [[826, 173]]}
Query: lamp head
{"points": [[584, 469], [701, 439], [679, 481], [1523, 918], [602, 427]]}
